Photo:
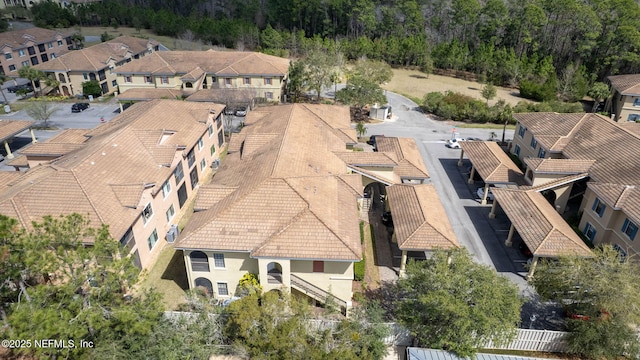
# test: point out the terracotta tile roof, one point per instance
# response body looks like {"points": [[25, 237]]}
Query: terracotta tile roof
{"points": [[632, 127], [49, 149], [550, 129], [96, 57], [281, 197], [626, 84], [542, 229], [420, 221], [232, 63], [70, 136], [19, 161], [621, 197], [7, 177], [382, 176], [410, 162], [491, 162], [106, 176], [19, 38], [558, 166], [194, 74], [556, 182], [11, 128], [361, 158], [141, 94]]}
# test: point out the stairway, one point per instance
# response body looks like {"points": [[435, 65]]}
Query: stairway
{"points": [[314, 292]]}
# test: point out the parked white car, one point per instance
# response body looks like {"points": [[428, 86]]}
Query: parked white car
{"points": [[480, 193], [455, 143]]}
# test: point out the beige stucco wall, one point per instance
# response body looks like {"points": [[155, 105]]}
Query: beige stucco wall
{"points": [[608, 227], [236, 265], [337, 277], [17, 60], [161, 204], [624, 107], [525, 145]]}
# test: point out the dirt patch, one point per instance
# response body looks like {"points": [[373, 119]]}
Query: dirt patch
{"points": [[416, 84]]}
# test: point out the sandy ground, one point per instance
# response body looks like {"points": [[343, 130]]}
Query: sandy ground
{"points": [[416, 84]]}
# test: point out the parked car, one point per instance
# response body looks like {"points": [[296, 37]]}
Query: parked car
{"points": [[16, 88], [229, 110], [372, 140], [455, 143], [490, 195], [79, 107], [387, 219], [241, 111]]}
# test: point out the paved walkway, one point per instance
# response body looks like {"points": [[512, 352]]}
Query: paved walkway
{"points": [[385, 260]]}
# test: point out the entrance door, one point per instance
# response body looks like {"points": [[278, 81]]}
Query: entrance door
{"points": [[194, 177]]}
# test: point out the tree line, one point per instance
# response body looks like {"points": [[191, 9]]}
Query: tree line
{"points": [[503, 41]]}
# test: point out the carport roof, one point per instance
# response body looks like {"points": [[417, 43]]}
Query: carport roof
{"points": [[11, 128], [419, 219], [558, 166], [542, 229], [492, 163]]}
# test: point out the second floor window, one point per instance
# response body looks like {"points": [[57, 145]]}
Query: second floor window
{"points": [[247, 81], [267, 81], [148, 79], [8, 56], [521, 131], [227, 81], [178, 173], [534, 142], [165, 80], [21, 52], [166, 189], [636, 102], [127, 79], [542, 153], [147, 213], [218, 261], [630, 229], [598, 207], [191, 158]]}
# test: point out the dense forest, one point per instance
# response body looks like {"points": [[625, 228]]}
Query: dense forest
{"points": [[503, 41]]}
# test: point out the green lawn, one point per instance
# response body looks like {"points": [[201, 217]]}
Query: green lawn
{"points": [[168, 277]]}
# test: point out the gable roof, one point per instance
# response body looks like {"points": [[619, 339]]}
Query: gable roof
{"points": [[551, 130], [542, 229], [277, 196], [97, 57], [20, 38], [421, 222], [492, 163], [105, 178], [626, 84], [221, 63], [558, 166], [410, 162], [621, 197]]}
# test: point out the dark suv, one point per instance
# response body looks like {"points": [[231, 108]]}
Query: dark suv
{"points": [[79, 107]]}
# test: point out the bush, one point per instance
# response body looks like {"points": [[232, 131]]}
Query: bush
{"points": [[460, 107], [358, 270], [548, 106], [539, 92]]}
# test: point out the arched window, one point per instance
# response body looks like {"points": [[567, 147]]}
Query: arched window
{"points": [[205, 284], [199, 261], [274, 273], [188, 85], [62, 78]]}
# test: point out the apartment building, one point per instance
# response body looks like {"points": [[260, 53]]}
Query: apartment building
{"points": [[30, 47]]}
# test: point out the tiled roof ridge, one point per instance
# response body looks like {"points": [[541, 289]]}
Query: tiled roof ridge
{"points": [[575, 128], [19, 210], [329, 126], [623, 195], [282, 141], [84, 192], [88, 59], [242, 58], [292, 221], [557, 182], [415, 167], [349, 187]]}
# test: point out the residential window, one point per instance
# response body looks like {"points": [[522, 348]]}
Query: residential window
{"points": [[127, 79], [200, 144], [220, 139], [147, 213], [222, 289], [59, 42], [213, 149], [25, 63], [590, 232], [218, 261], [191, 158], [267, 81], [246, 81], [12, 68], [44, 57], [178, 173], [166, 189], [8, 56], [318, 266], [171, 212], [199, 261], [203, 164], [85, 76], [516, 150], [630, 229], [31, 50], [128, 240], [534, 142], [114, 83], [21, 53], [210, 130], [50, 45], [34, 60], [623, 254], [213, 79], [153, 239], [521, 131], [542, 153], [636, 102], [164, 80], [268, 95], [41, 48], [227, 81], [148, 79], [598, 207], [219, 122], [634, 117], [53, 56]]}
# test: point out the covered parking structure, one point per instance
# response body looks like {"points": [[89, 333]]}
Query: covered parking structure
{"points": [[10, 128], [419, 219], [542, 229], [492, 164], [146, 94]]}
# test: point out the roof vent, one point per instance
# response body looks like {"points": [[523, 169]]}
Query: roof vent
{"points": [[104, 153], [93, 163], [115, 145], [212, 111]]}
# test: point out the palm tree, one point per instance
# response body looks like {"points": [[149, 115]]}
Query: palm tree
{"points": [[31, 74], [361, 129]]}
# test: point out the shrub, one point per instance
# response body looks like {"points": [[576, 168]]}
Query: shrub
{"points": [[539, 92], [358, 270]]}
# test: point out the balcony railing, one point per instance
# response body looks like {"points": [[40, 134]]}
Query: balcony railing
{"points": [[314, 291]]}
